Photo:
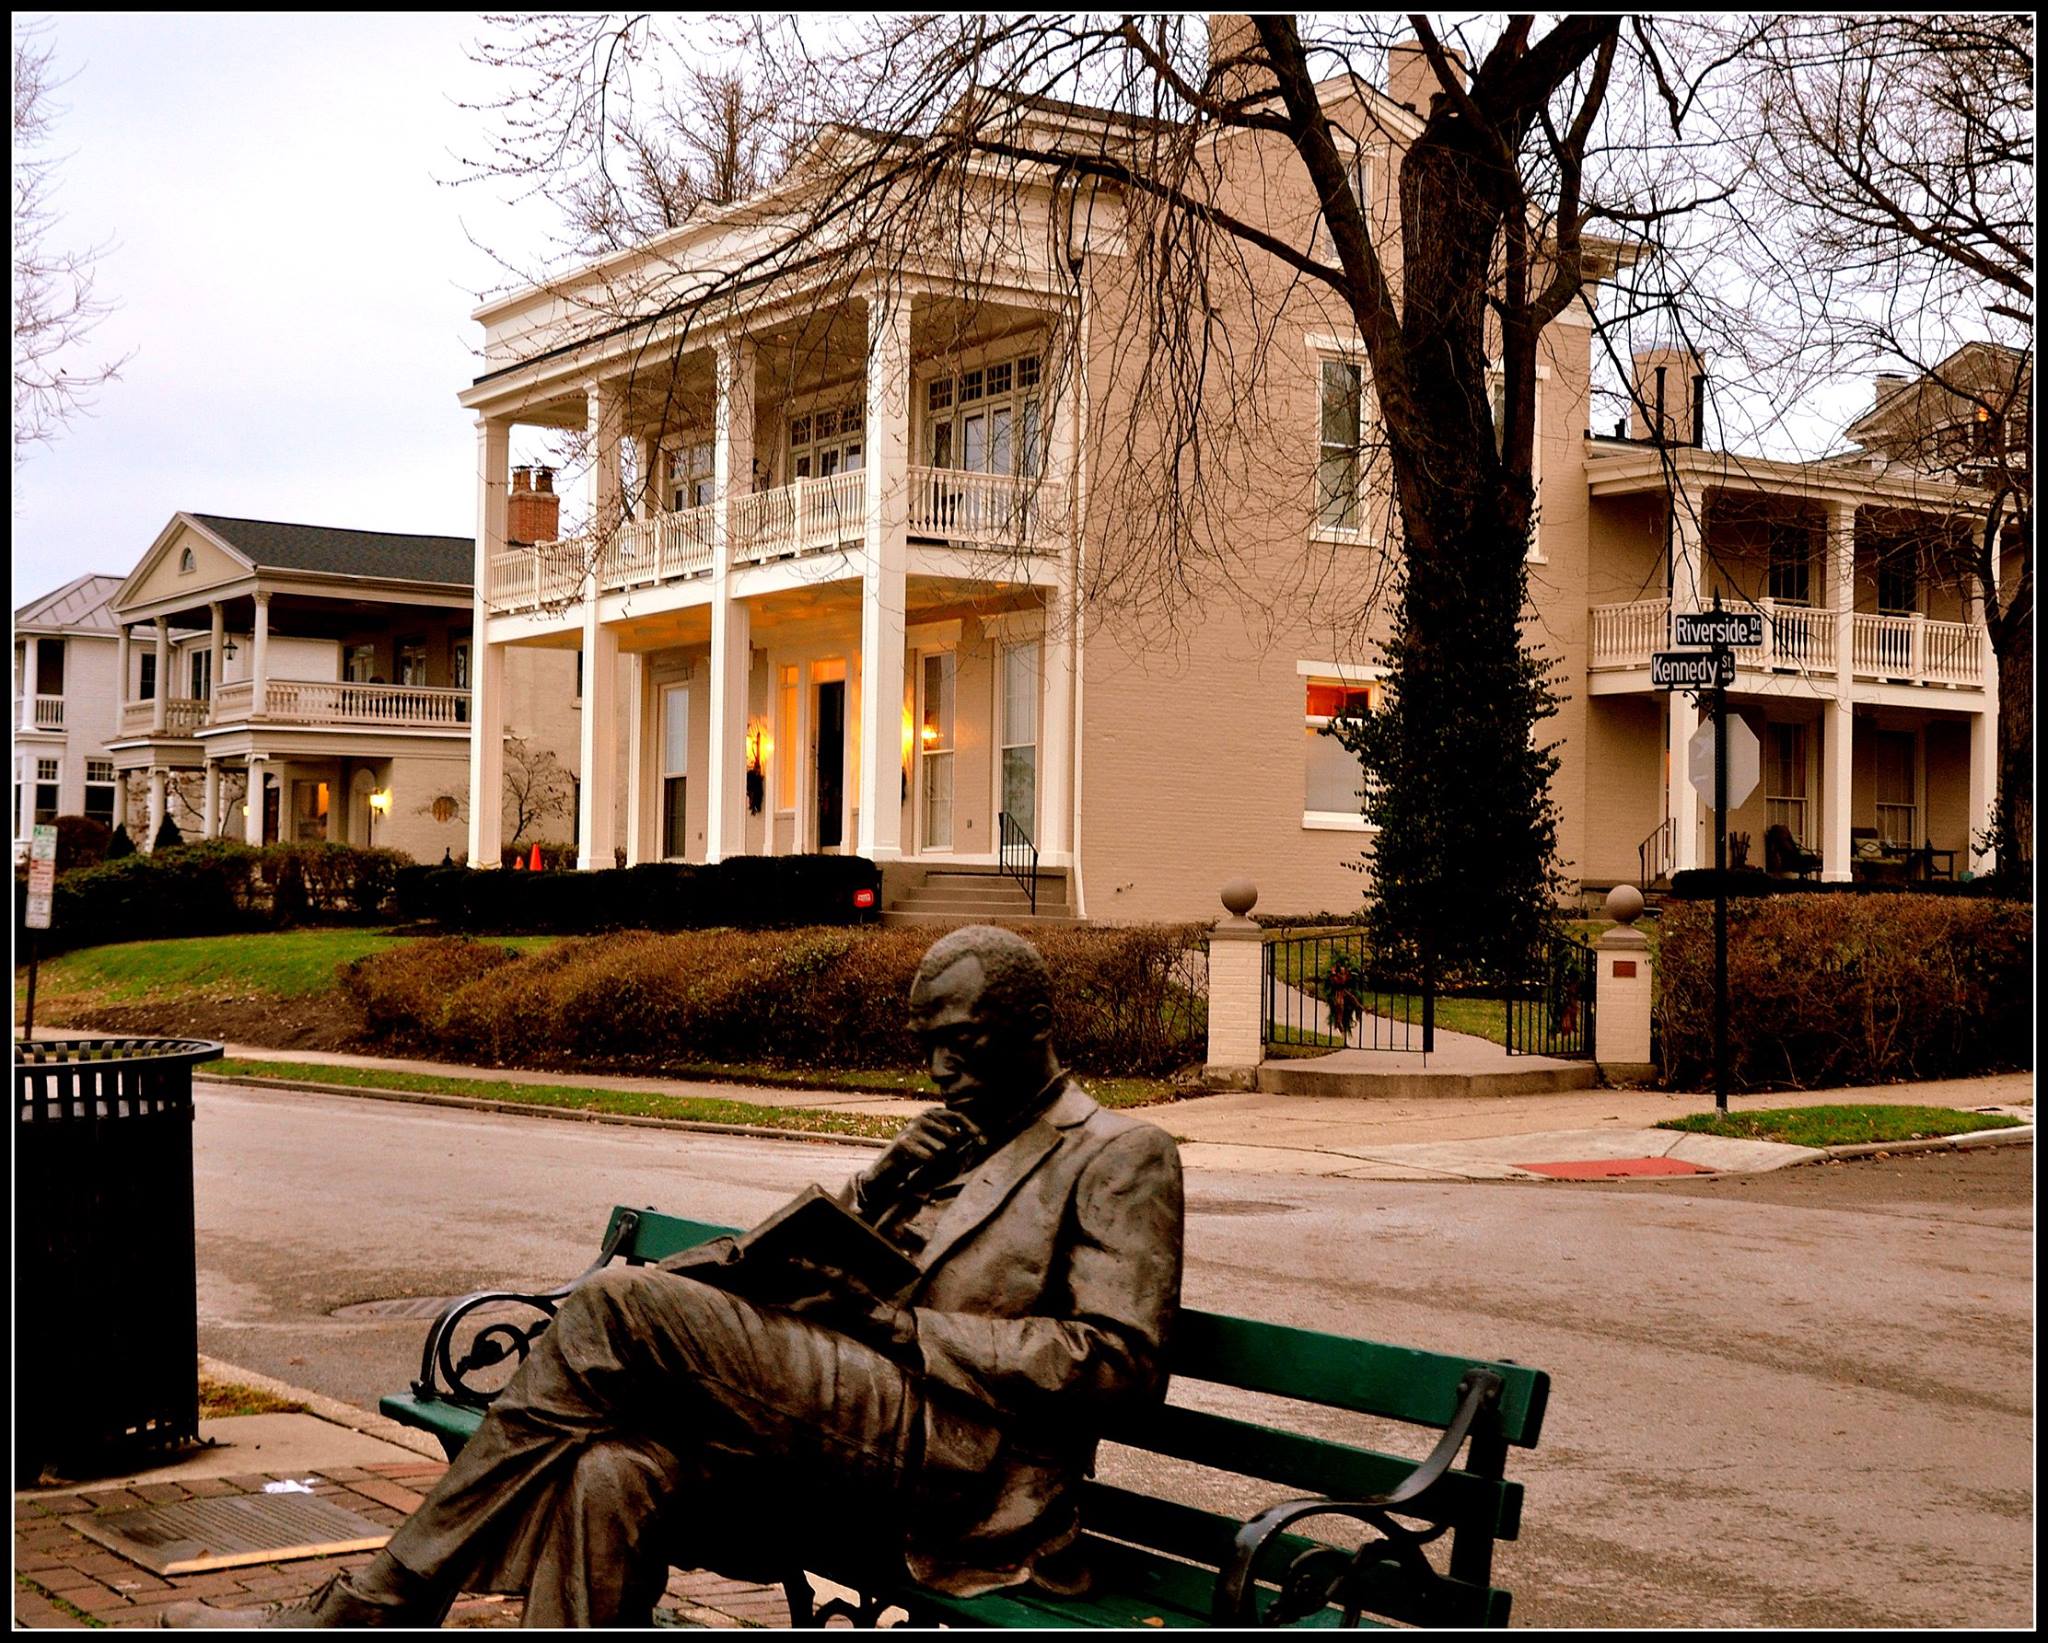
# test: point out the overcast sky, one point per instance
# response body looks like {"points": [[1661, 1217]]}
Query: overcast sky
{"points": [[293, 274]]}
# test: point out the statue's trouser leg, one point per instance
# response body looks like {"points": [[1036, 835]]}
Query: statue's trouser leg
{"points": [[647, 1385]]}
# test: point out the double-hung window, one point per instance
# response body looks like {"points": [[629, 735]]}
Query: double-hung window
{"points": [[1340, 454], [935, 747], [1898, 580], [99, 790], [1791, 576], [691, 475], [1334, 781], [675, 769], [827, 441], [202, 675], [987, 420], [49, 773]]}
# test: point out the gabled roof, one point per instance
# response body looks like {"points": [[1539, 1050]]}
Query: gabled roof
{"points": [[325, 549], [1992, 369], [82, 605]]}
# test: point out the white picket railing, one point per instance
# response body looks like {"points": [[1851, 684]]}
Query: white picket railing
{"points": [[182, 716], [1625, 635], [984, 510], [806, 516], [1953, 653], [1797, 638], [547, 573], [666, 547], [42, 713], [1914, 650], [344, 702]]}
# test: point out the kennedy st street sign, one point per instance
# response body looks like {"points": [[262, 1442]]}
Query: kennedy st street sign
{"points": [[1691, 669], [1741, 628]]}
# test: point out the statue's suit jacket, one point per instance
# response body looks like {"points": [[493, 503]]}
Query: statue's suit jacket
{"points": [[1045, 1296]]}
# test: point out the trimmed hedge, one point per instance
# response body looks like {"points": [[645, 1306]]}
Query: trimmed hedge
{"points": [[216, 887], [1127, 1001], [1829, 990], [744, 892]]}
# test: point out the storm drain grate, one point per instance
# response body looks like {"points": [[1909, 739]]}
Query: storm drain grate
{"points": [[225, 1531]]}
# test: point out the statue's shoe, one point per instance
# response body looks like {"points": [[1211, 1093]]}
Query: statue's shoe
{"points": [[335, 1604]]}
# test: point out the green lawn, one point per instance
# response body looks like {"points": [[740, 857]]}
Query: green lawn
{"points": [[282, 963], [1839, 1126]]}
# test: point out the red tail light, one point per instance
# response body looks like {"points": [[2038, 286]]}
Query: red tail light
{"points": [[863, 898]]}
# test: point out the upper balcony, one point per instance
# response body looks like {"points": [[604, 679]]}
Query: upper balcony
{"points": [[1798, 640], [1006, 514], [39, 713], [328, 703]]}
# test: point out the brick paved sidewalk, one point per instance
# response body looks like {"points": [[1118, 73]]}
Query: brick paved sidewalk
{"points": [[63, 1579]]}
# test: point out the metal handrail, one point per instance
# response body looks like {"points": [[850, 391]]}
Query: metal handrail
{"points": [[1017, 856], [1653, 855]]}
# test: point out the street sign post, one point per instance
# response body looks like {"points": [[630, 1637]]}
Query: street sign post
{"points": [[42, 885]]}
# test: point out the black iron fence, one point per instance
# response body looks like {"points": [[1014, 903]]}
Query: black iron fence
{"points": [[1549, 1009], [1328, 992]]}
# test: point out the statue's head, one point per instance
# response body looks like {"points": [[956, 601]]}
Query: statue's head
{"points": [[982, 1007]]}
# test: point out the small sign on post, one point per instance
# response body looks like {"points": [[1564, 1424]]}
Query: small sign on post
{"points": [[1743, 629], [42, 885], [1691, 669]]}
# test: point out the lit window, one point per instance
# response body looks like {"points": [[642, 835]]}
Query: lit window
{"points": [[675, 766], [935, 749], [1334, 779]]}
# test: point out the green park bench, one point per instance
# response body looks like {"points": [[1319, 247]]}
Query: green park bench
{"points": [[1157, 1561]]}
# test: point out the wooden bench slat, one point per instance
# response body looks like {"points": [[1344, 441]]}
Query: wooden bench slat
{"points": [[1366, 1377], [1313, 1466]]}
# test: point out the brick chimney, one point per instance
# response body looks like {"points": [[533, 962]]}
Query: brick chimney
{"points": [[1670, 396], [1411, 80], [1236, 59], [533, 512]]}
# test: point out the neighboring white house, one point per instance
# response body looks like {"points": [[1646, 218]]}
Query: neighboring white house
{"points": [[65, 696]]}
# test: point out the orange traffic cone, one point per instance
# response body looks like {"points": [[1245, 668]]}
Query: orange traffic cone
{"points": [[518, 864], [534, 865]]}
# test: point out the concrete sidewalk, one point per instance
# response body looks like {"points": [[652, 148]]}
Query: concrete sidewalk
{"points": [[1414, 1137], [332, 1451]]}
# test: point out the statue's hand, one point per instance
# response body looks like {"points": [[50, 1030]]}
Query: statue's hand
{"points": [[925, 1140]]}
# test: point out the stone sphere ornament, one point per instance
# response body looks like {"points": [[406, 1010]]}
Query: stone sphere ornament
{"points": [[1624, 904], [1240, 896]]}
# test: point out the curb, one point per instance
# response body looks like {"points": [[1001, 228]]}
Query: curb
{"points": [[529, 1109], [2017, 1135], [328, 1409]]}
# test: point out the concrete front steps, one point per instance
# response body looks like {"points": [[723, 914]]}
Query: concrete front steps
{"points": [[971, 895]]}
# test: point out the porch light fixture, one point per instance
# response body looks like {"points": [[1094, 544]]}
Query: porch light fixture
{"points": [[928, 734], [227, 650], [380, 801]]}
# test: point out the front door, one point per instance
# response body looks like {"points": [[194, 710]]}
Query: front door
{"points": [[828, 759]]}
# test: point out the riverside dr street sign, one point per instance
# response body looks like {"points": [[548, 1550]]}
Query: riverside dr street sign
{"points": [[1741, 628], [1691, 669], [1745, 761]]}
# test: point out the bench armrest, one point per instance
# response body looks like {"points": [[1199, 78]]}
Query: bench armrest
{"points": [[443, 1378], [1325, 1573]]}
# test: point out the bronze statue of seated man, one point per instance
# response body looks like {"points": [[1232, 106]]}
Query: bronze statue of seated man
{"points": [[945, 1425]]}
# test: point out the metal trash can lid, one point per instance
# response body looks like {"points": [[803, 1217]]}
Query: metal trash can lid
{"points": [[53, 1052]]}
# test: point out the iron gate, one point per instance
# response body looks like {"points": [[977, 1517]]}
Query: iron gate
{"points": [[1549, 1008], [1327, 992]]}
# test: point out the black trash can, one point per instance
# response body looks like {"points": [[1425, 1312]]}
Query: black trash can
{"points": [[106, 1342]]}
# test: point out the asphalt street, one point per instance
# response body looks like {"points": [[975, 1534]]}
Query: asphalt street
{"points": [[1802, 1399]]}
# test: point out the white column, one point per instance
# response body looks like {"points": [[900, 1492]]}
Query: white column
{"points": [[1682, 802], [636, 760], [1838, 731], [1983, 775], [259, 660], [725, 814], [123, 638], [30, 689], [157, 776], [487, 661], [599, 752], [219, 639], [252, 796], [885, 576], [1062, 657], [25, 798], [604, 412], [209, 803], [163, 683]]}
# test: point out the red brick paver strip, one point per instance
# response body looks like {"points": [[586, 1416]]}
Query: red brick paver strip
{"points": [[1606, 1169]]}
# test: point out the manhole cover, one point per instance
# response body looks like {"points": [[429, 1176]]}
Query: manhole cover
{"points": [[227, 1531], [399, 1306]]}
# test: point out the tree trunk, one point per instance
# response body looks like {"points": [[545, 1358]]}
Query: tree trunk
{"points": [[2012, 642]]}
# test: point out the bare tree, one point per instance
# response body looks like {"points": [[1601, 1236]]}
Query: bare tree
{"points": [[55, 305], [536, 785], [1889, 175], [1134, 164]]}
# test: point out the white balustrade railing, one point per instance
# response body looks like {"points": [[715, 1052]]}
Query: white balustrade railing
{"points": [[182, 716], [1952, 653], [987, 510], [39, 713], [666, 547], [1626, 635], [232, 701], [137, 718], [805, 516], [547, 573], [345, 702], [1797, 638]]}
